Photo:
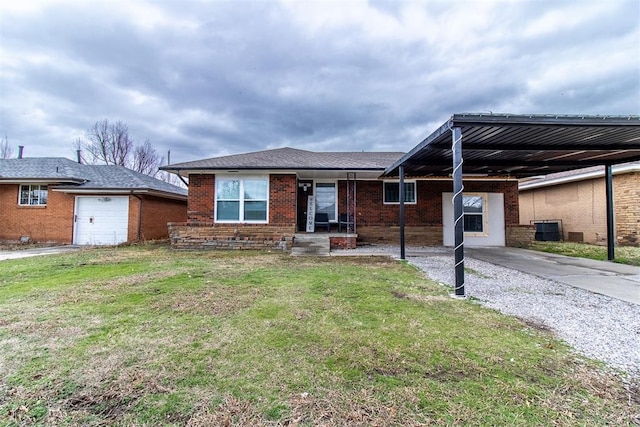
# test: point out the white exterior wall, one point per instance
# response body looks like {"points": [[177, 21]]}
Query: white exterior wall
{"points": [[494, 234]]}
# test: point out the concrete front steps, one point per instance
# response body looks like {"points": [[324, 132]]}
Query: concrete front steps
{"points": [[312, 244]]}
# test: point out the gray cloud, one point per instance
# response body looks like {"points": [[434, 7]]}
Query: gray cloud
{"points": [[209, 78]]}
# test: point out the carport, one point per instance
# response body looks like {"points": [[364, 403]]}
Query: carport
{"points": [[518, 146]]}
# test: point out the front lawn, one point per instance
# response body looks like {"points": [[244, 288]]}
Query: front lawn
{"points": [[623, 254], [147, 336]]}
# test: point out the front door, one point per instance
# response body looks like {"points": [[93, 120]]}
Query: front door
{"points": [[305, 189]]}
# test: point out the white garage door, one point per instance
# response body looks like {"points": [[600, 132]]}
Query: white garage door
{"points": [[101, 220]]}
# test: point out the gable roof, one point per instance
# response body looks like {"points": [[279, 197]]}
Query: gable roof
{"points": [[72, 177], [575, 175], [292, 159]]}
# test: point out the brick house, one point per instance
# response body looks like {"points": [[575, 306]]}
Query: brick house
{"points": [[264, 199], [576, 200], [57, 200]]}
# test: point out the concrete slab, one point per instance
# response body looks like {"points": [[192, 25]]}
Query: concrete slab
{"points": [[604, 277], [25, 253]]}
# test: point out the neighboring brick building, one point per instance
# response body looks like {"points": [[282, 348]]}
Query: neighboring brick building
{"points": [[262, 199], [578, 199], [56, 200]]}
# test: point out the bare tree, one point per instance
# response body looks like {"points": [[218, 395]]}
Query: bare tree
{"points": [[146, 159], [5, 149], [110, 143]]}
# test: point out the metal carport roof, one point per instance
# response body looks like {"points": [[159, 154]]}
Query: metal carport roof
{"points": [[519, 146], [525, 145]]}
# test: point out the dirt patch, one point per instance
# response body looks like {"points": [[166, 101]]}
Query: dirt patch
{"points": [[214, 301]]}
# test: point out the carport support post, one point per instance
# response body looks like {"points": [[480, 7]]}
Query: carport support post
{"points": [[401, 200], [610, 225], [458, 213]]}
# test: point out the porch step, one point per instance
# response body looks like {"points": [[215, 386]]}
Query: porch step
{"points": [[310, 245]]}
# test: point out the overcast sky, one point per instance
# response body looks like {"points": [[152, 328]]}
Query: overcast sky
{"points": [[209, 78]]}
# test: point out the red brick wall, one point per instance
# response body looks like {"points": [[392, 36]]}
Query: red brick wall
{"points": [[371, 211], [50, 223], [200, 231], [282, 200], [156, 213], [201, 199], [54, 222]]}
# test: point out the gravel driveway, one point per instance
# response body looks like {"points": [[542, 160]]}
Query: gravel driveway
{"points": [[597, 326]]}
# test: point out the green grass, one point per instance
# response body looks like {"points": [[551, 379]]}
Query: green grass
{"points": [[147, 336], [623, 254]]}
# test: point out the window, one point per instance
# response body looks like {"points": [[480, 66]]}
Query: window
{"points": [[242, 199], [474, 206], [392, 192], [33, 195], [326, 199]]}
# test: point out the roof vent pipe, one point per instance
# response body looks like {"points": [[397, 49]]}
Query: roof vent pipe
{"points": [[20, 150], [78, 155]]}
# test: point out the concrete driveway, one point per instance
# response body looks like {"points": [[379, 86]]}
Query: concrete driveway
{"points": [[25, 253], [608, 278]]}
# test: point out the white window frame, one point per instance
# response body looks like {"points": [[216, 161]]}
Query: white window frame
{"points": [[485, 214], [335, 195], [32, 188], [242, 179], [397, 183]]}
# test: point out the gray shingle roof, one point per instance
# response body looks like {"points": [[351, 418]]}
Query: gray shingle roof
{"points": [[575, 175], [294, 159], [68, 174]]}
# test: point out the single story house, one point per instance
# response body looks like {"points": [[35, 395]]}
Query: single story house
{"points": [[457, 187], [57, 200], [575, 200], [264, 199]]}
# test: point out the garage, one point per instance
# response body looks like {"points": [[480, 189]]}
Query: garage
{"points": [[101, 220]]}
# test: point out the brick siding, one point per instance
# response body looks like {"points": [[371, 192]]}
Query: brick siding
{"points": [[375, 221], [520, 236], [200, 231], [234, 236], [581, 206], [626, 193], [427, 211], [156, 213], [53, 223], [200, 202]]}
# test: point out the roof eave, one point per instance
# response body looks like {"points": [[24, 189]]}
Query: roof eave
{"points": [[123, 191], [544, 119], [206, 170], [531, 185]]}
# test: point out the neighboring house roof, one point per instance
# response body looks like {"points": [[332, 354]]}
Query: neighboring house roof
{"points": [[72, 177], [575, 175], [292, 159]]}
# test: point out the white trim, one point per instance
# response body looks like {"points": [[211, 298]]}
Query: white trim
{"points": [[485, 214], [39, 189], [530, 185], [396, 181]]}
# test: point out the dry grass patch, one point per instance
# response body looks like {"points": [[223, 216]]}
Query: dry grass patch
{"points": [[141, 336]]}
